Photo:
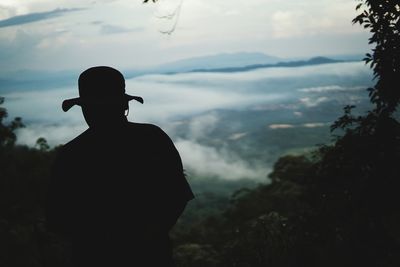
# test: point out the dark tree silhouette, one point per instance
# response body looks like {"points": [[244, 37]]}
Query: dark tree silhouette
{"points": [[7, 131], [382, 18]]}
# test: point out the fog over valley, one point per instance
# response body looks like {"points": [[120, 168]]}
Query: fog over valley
{"points": [[229, 125]]}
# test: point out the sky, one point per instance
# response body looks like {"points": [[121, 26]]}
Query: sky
{"points": [[69, 36], [64, 34]]}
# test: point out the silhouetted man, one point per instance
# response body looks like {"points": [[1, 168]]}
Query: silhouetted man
{"points": [[118, 188]]}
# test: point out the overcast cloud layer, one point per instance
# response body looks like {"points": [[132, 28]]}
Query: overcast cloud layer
{"points": [[57, 35]]}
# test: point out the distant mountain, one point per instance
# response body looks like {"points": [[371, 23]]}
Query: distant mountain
{"points": [[299, 63], [224, 60], [348, 57]]}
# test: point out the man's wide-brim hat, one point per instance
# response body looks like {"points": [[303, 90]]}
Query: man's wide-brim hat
{"points": [[100, 84]]}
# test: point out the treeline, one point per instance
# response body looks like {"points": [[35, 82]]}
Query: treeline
{"points": [[322, 209], [24, 175]]}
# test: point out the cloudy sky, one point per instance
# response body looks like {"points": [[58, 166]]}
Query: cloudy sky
{"points": [[70, 36], [63, 34]]}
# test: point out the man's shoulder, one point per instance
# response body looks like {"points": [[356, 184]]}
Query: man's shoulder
{"points": [[143, 126], [78, 139], [151, 133], [75, 142], [146, 128]]}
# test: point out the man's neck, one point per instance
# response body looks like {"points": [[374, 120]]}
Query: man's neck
{"points": [[111, 126]]}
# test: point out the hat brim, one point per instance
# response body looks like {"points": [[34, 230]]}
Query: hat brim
{"points": [[69, 103]]}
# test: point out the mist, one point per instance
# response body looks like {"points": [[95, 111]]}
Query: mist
{"points": [[194, 99]]}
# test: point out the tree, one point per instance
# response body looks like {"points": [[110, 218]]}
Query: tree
{"points": [[7, 132], [356, 179], [24, 175], [382, 18]]}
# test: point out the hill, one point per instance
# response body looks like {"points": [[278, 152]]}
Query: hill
{"points": [[216, 61], [298, 63]]}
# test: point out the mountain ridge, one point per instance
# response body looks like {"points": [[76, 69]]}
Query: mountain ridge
{"points": [[40, 80], [298, 63], [221, 60]]}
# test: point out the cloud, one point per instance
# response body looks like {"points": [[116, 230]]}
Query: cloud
{"points": [[205, 155], [201, 156], [18, 49], [280, 126], [237, 136], [313, 102], [33, 17], [204, 27], [170, 97], [55, 134], [297, 113], [7, 11], [284, 24], [201, 126], [187, 94], [315, 124], [305, 125], [329, 88], [209, 161], [114, 29], [307, 18], [184, 106], [42, 107]]}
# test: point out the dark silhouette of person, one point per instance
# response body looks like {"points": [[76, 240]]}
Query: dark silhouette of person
{"points": [[119, 187]]}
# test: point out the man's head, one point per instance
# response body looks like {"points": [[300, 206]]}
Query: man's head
{"points": [[102, 96]]}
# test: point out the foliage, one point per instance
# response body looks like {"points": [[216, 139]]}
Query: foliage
{"points": [[382, 18], [24, 174], [7, 132], [357, 177]]}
